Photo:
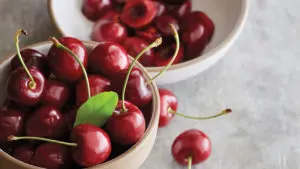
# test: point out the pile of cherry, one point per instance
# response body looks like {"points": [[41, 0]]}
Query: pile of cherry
{"points": [[136, 23]]}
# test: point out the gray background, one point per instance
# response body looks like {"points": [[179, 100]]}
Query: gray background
{"points": [[259, 79]]}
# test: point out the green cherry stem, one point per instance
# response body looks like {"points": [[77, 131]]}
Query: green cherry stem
{"points": [[61, 46], [176, 36], [15, 138], [32, 83], [226, 111], [190, 159], [156, 43]]}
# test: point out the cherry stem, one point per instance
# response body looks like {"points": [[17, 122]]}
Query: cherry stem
{"points": [[14, 138], [61, 46], [190, 159], [156, 43], [226, 111], [32, 83], [176, 36]]}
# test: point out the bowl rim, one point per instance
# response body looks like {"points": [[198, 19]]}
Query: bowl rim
{"points": [[224, 44], [152, 123]]}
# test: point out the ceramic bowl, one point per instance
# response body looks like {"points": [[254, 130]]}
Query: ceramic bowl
{"points": [[228, 15], [131, 159]]}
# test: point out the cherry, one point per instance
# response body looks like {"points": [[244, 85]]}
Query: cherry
{"points": [[98, 84], [64, 66], [197, 30], [135, 45], [52, 156], [163, 55], [24, 153], [191, 147], [163, 24], [46, 121], [70, 117], [127, 127], [109, 58], [11, 123], [180, 11], [161, 8], [149, 34], [94, 9], [31, 58], [139, 13], [167, 100], [174, 1], [55, 94], [111, 15]]}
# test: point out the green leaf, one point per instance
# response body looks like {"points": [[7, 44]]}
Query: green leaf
{"points": [[97, 110]]}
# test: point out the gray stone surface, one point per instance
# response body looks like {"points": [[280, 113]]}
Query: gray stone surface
{"points": [[259, 79]]}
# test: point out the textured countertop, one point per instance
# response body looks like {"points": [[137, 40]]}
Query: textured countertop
{"points": [[259, 79]]}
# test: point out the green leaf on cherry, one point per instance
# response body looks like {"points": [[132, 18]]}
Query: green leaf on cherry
{"points": [[97, 110]]}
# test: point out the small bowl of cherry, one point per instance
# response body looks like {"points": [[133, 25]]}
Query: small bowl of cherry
{"points": [[67, 103], [207, 28]]}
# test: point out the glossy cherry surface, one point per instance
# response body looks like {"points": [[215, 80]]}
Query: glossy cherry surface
{"points": [[161, 8], [46, 121], [55, 94], [139, 13], [19, 90], [94, 9], [191, 143], [111, 15], [135, 45], [24, 153], [181, 10], [149, 34], [163, 24], [63, 65], [11, 123], [109, 59], [165, 53], [167, 101], [94, 145], [52, 156], [128, 127], [98, 84]]}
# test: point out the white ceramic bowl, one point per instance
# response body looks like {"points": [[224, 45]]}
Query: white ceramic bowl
{"points": [[131, 159], [228, 15]]}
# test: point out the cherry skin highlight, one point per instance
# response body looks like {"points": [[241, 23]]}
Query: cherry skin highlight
{"points": [[94, 9]]}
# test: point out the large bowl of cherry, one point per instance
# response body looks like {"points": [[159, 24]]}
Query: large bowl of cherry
{"points": [[207, 29], [73, 104]]}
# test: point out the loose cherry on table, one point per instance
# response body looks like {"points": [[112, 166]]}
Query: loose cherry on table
{"points": [[24, 152], [94, 9], [191, 147]]}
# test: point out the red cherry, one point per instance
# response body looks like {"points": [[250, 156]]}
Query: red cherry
{"points": [[11, 123], [109, 58], [46, 121], [70, 117], [163, 24], [149, 34], [98, 84], [180, 11], [21, 90], [128, 127], [139, 13], [192, 144], [167, 101], [24, 153], [135, 45], [161, 8], [164, 55], [111, 15], [63, 65], [55, 94], [32, 58], [94, 145], [52, 156], [94, 9]]}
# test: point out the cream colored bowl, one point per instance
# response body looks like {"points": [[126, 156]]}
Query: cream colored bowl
{"points": [[132, 159]]}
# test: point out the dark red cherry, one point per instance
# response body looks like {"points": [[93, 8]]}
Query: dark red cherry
{"points": [[56, 94], [52, 156], [163, 24], [128, 127], [111, 15], [11, 123], [173, 1], [70, 117], [94, 145], [24, 153], [197, 30], [108, 31], [161, 8], [165, 53], [135, 45], [109, 59], [63, 65], [139, 13], [46, 121], [149, 34], [20, 88], [192, 144], [98, 84], [32, 58], [167, 101], [181, 10], [94, 9]]}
